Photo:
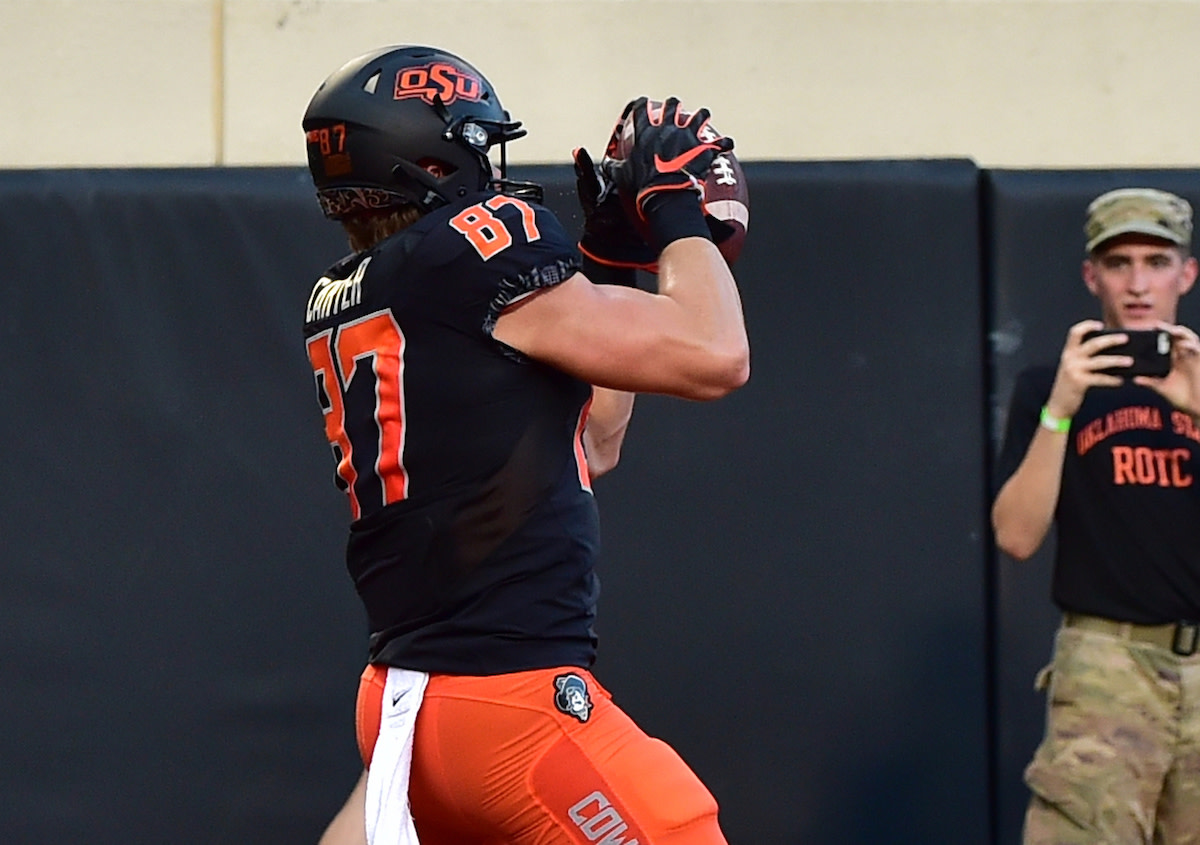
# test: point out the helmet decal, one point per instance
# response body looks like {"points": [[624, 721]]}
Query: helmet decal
{"points": [[438, 80]]}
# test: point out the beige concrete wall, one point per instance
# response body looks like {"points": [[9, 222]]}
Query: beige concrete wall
{"points": [[1008, 83]]}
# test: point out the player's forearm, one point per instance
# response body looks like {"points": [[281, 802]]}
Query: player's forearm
{"points": [[608, 420], [1024, 508], [694, 275]]}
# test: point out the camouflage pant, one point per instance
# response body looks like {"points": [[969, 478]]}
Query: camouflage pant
{"points": [[1120, 761]]}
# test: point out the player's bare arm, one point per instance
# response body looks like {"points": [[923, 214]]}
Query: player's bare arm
{"points": [[608, 421], [688, 340]]}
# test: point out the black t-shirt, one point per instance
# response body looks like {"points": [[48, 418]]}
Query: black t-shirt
{"points": [[1128, 514], [474, 533]]}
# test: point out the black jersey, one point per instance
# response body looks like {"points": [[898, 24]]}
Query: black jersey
{"points": [[1128, 514], [474, 532]]}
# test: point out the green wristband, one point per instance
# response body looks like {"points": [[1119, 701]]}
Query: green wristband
{"points": [[1052, 423]]}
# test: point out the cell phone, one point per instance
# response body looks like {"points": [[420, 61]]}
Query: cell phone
{"points": [[1149, 348]]}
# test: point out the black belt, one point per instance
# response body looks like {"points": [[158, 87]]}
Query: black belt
{"points": [[1183, 638]]}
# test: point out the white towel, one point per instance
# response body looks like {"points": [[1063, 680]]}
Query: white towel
{"points": [[388, 815]]}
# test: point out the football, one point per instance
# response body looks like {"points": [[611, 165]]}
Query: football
{"points": [[726, 196]]}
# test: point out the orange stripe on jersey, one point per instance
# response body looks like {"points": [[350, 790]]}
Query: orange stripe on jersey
{"points": [[376, 343]]}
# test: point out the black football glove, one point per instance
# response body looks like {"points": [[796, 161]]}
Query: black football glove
{"points": [[609, 237], [665, 166]]}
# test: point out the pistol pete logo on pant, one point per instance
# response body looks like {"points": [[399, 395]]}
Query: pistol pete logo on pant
{"points": [[571, 696]]}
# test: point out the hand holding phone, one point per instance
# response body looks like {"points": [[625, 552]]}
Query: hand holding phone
{"points": [[1149, 348]]}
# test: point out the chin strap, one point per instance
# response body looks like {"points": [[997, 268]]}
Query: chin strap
{"points": [[419, 184], [528, 191]]}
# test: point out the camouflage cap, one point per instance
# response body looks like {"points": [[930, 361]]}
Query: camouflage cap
{"points": [[1143, 210]]}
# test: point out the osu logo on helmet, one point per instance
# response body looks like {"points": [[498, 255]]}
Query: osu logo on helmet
{"points": [[438, 79]]}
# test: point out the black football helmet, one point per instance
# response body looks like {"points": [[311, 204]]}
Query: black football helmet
{"points": [[376, 125]]}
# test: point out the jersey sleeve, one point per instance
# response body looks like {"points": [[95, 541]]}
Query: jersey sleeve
{"points": [[542, 263], [1030, 392], [481, 257]]}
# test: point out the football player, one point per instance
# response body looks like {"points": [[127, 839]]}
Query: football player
{"points": [[472, 376]]}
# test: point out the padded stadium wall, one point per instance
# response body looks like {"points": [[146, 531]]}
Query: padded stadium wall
{"points": [[799, 588]]}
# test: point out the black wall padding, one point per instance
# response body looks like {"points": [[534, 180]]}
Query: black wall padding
{"points": [[1036, 245], [793, 577], [180, 640]]}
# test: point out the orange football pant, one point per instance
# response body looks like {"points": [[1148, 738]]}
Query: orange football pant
{"points": [[496, 760]]}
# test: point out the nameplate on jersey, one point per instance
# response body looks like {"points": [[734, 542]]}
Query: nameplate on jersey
{"points": [[333, 296]]}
